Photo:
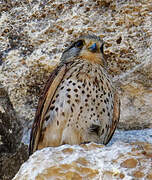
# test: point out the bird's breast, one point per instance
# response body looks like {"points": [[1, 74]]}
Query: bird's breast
{"points": [[82, 107]]}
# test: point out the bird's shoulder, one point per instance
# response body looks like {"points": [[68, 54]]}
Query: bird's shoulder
{"points": [[50, 87]]}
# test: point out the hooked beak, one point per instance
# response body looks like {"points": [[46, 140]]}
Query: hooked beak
{"points": [[93, 47]]}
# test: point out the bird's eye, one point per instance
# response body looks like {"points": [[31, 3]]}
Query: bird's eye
{"points": [[101, 48], [79, 44]]}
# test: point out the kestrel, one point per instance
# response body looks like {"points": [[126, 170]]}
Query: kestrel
{"points": [[79, 103]]}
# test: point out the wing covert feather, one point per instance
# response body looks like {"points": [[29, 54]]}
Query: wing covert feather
{"points": [[116, 115], [44, 102]]}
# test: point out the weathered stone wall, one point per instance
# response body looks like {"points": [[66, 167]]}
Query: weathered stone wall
{"points": [[124, 161], [12, 152], [34, 33]]}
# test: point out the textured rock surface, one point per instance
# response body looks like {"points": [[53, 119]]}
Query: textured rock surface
{"points": [[9, 124], [120, 161], [131, 136], [11, 162], [12, 152], [34, 33]]}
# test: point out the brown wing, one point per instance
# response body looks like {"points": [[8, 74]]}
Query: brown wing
{"points": [[44, 102], [116, 116]]}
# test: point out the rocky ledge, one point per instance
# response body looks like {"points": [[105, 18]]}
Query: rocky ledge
{"points": [[12, 152], [33, 35], [90, 161]]}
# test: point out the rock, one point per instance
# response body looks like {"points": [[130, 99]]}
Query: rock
{"points": [[10, 129], [12, 153], [11, 162], [129, 163], [90, 161], [130, 136], [136, 96], [35, 33]]}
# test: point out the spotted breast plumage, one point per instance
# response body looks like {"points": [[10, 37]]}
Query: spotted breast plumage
{"points": [[79, 103]]}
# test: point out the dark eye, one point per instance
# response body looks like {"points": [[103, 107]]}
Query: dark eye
{"points": [[101, 48], [79, 44]]}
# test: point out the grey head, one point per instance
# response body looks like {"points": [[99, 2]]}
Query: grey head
{"points": [[84, 45]]}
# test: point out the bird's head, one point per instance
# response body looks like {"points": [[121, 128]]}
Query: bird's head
{"points": [[87, 47]]}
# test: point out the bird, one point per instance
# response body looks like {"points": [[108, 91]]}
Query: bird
{"points": [[79, 103]]}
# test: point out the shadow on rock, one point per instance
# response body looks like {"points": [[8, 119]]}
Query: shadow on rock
{"points": [[12, 152]]}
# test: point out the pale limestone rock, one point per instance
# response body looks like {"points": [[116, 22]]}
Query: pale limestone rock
{"points": [[33, 36], [136, 95], [35, 33], [91, 161]]}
